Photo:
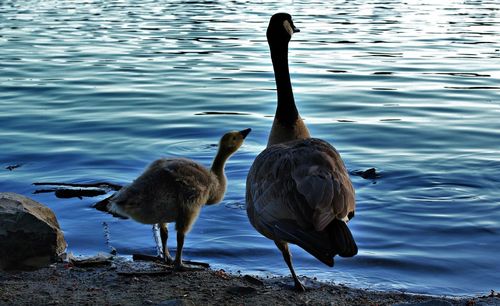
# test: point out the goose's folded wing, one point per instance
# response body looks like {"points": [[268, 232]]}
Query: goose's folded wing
{"points": [[323, 181], [304, 180], [297, 192]]}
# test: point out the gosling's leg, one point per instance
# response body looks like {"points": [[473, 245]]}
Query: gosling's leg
{"points": [[164, 236], [183, 225], [178, 264], [185, 265], [283, 247], [159, 248]]}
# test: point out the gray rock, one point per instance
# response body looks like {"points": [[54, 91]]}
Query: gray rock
{"points": [[30, 236]]}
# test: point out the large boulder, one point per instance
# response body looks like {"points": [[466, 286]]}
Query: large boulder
{"points": [[30, 236]]}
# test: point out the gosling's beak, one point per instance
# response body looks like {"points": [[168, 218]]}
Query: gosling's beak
{"points": [[245, 132]]}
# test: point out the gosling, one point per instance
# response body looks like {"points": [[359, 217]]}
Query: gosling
{"points": [[174, 190]]}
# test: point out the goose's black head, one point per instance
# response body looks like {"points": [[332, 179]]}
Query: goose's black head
{"points": [[280, 29]]}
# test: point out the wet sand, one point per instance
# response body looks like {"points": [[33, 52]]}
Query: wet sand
{"points": [[123, 282]]}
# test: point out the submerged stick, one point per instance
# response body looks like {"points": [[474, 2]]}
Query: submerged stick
{"points": [[81, 185], [73, 193], [77, 190]]}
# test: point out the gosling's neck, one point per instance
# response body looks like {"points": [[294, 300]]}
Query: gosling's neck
{"points": [[287, 123], [218, 186]]}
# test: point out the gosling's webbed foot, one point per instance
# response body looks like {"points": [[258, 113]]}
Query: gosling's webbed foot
{"points": [[184, 267], [162, 259], [169, 260]]}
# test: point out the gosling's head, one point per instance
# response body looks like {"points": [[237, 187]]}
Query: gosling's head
{"points": [[280, 29], [232, 141]]}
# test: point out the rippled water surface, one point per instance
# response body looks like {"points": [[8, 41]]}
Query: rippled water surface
{"points": [[95, 90]]}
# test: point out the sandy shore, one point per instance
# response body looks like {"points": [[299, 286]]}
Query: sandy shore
{"points": [[123, 282]]}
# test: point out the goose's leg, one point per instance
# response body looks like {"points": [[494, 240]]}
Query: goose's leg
{"points": [[283, 247], [164, 236]]}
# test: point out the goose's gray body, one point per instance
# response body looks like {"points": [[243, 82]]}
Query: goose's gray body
{"points": [[298, 189]]}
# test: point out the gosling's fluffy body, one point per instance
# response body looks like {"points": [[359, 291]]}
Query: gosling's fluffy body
{"points": [[169, 190]]}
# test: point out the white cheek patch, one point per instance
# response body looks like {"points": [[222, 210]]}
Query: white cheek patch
{"points": [[288, 27]]}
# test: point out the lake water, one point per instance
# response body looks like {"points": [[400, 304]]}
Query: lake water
{"points": [[95, 90]]}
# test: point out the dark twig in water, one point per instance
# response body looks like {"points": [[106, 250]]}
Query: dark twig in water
{"points": [[12, 167], [369, 174], [77, 190], [73, 193], [106, 185]]}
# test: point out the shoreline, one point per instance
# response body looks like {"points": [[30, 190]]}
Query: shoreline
{"points": [[123, 282]]}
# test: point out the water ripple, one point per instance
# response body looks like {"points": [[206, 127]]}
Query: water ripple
{"points": [[94, 91]]}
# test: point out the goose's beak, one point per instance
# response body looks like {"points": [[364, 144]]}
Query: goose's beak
{"points": [[245, 132], [296, 30]]}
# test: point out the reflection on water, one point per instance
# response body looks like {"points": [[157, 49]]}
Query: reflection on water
{"points": [[94, 91]]}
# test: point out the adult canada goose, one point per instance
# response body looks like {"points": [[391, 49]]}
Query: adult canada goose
{"points": [[174, 190], [298, 189]]}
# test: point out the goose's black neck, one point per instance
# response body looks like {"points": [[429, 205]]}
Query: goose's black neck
{"points": [[286, 111]]}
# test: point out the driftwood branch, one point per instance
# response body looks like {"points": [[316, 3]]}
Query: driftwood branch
{"points": [[104, 185], [72, 193], [77, 190]]}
